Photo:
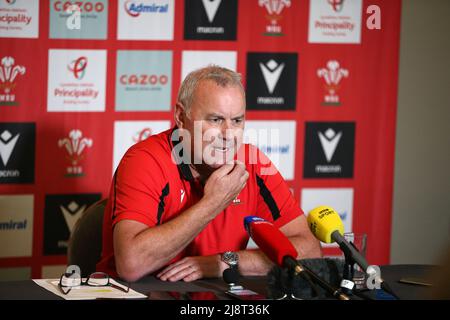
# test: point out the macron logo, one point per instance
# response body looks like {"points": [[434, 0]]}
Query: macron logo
{"points": [[183, 193], [329, 142], [72, 213], [271, 72], [7, 144], [211, 7]]}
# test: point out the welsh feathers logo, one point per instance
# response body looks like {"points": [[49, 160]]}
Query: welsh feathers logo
{"points": [[274, 9], [75, 145], [78, 67], [9, 71], [332, 75]]}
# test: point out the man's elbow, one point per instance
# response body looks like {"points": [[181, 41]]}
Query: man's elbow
{"points": [[131, 269], [128, 270]]}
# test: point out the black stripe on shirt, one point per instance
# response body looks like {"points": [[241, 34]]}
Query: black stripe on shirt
{"points": [[268, 198], [161, 205]]}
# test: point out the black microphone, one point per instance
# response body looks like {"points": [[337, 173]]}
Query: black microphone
{"points": [[280, 250]]}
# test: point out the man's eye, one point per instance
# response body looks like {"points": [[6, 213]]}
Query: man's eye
{"points": [[215, 120], [238, 121]]}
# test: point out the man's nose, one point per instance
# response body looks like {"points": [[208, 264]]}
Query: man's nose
{"points": [[226, 130]]}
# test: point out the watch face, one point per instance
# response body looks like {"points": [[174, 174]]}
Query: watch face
{"points": [[230, 258]]}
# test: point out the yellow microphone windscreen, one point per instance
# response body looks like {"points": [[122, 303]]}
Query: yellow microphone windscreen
{"points": [[323, 221]]}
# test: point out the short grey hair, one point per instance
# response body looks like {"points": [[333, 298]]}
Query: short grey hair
{"points": [[221, 76]]}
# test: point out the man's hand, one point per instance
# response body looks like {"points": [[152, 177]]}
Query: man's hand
{"points": [[225, 184], [193, 268]]}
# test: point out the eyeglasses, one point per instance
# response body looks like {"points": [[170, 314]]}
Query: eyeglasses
{"points": [[96, 279]]}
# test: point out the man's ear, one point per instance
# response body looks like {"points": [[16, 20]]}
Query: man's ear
{"points": [[179, 115]]}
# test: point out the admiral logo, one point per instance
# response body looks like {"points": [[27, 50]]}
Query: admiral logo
{"points": [[9, 72], [196, 59], [271, 81], [332, 75], [75, 145], [60, 216], [275, 139], [335, 21], [17, 144], [19, 19], [274, 9], [16, 225], [145, 20], [13, 225], [210, 20], [329, 149], [134, 8]]}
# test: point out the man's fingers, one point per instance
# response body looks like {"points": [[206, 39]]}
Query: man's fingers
{"points": [[172, 269], [223, 170]]}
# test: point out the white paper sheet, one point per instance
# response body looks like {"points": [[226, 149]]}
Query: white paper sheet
{"points": [[88, 292]]}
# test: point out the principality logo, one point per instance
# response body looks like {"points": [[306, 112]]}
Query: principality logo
{"points": [[142, 135], [75, 145], [134, 9], [337, 5], [274, 9], [78, 67], [332, 75], [8, 74]]}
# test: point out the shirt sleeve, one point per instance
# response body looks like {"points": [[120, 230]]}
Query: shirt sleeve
{"points": [[275, 201], [138, 188]]}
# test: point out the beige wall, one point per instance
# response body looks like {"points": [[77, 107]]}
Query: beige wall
{"points": [[421, 211]]}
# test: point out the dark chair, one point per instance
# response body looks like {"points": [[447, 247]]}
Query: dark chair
{"points": [[85, 243]]}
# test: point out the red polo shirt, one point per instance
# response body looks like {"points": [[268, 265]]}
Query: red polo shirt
{"points": [[151, 188]]}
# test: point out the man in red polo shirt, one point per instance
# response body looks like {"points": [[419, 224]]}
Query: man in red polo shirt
{"points": [[178, 199]]}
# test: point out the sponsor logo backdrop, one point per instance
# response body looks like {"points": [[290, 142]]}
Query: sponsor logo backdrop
{"points": [[79, 86]]}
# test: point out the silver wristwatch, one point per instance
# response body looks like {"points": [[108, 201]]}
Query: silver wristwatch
{"points": [[230, 258]]}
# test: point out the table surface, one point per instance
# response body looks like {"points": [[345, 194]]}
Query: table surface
{"points": [[27, 289]]}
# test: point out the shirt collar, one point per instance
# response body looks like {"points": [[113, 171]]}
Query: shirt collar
{"points": [[183, 168]]}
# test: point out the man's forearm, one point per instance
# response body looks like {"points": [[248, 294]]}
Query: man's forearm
{"points": [[154, 247]]}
